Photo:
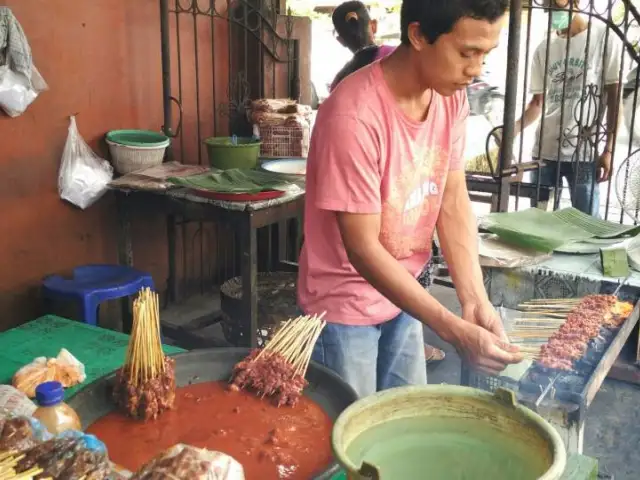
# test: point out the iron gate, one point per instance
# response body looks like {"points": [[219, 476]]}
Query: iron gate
{"points": [[518, 169]]}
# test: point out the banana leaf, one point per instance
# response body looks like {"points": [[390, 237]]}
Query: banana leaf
{"points": [[546, 231], [235, 180]]}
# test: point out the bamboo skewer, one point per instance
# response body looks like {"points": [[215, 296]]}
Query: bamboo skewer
{"points": [[145, 358]]}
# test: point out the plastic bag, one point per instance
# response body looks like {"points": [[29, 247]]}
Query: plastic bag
{"points": [[18, 432], [18, 92], [184, 461], [67, 456], [15, 402], [83, 176], [65, 368]]}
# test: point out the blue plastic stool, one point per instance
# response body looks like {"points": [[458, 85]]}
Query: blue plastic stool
{"points": [[94, 284]]}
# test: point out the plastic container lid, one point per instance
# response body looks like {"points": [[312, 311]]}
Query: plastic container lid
{"points": [[49, 394], [138, 138]]}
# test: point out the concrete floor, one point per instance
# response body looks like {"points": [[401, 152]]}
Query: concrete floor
{"points": [[613, 421]]}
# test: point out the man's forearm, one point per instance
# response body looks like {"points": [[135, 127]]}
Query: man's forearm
{"points": [[612, 114], [530, 114], [389, 277], [458, 235]]}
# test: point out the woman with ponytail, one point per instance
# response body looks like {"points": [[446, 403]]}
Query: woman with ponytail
{"points": [[356, 31]]}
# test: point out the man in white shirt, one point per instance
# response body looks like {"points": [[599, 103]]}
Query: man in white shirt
{"points": [[573, 103]]}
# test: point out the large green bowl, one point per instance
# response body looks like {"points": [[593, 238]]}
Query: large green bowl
{"points": [[225, 154], [444, 432]]}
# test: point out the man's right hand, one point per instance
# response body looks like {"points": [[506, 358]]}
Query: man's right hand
{"points": [[485, 351]]}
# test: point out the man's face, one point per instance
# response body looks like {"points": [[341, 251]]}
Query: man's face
{"points": [[452, 62]]}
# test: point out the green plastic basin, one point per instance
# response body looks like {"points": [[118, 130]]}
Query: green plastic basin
{"points": [[446, 432], [224, 154], [138, 138]]}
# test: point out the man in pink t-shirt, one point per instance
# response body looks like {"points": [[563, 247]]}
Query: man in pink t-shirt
{"points": [[385, 170]]}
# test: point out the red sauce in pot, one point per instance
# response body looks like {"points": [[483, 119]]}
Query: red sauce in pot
{"points": [[269, 442]]}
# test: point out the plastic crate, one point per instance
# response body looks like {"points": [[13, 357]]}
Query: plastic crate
{"points": [[284, 140]]}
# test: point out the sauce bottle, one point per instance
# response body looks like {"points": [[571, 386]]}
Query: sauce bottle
{"points": [[52, 412]]}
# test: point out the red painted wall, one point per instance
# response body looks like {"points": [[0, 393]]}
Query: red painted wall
{"points": [[101, 59]]}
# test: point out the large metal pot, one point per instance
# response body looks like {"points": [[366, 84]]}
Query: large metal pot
{"points": [[446, 432], [199, 366]]}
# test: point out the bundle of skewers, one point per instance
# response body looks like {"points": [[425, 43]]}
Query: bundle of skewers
{"points": [[556, 332], [278, 370], [9, 467], [56, 458], [146, 384]]}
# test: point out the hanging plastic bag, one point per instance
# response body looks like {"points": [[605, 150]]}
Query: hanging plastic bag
{"points": [[17, 92], [83, 176]]}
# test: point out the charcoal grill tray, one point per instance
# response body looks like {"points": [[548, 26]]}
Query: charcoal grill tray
{"points": [[583, 399], [199, 366]]}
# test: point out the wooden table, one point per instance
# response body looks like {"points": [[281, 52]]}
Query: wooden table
{"points": [[244, 217]]}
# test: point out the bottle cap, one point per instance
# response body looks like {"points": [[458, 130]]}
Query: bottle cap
{"points": [[49, 394]]}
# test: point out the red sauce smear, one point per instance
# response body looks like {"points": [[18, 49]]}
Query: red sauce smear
{"points": [[269, 442]]}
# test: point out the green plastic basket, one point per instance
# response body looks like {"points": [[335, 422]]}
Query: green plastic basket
{"points": [[138, 138], [225, 154]]}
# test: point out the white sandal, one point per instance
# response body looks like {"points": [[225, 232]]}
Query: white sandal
{"points": [[433, 354]]}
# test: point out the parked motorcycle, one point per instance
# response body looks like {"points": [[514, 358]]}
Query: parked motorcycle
{"points": [[486, 100]]}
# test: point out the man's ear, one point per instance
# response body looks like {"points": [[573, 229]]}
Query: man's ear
{"points": [[373, 25], [416, 37]]}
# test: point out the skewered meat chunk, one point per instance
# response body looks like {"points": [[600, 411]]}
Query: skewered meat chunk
{"points": [[583, 323], [269, 376], [149, 399]]}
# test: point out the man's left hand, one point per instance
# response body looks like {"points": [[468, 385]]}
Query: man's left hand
{"points": [[603, 167], [484, 315]]}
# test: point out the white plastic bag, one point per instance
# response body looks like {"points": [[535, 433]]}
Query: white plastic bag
{"points": [[184, 461], [65, 368], [83, 176], [17, 92], [15, 402]]}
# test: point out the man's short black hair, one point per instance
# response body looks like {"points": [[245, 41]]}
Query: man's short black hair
{"points": [[437, 17]]}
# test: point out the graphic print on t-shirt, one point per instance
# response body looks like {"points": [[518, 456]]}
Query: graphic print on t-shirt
{"points": [[413, 201]]}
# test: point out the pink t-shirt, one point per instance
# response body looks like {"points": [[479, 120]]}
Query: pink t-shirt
{"points": [[366, 156], [384, 50]]}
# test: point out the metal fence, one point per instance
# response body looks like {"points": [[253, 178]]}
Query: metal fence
{"points": [[584, 81]]}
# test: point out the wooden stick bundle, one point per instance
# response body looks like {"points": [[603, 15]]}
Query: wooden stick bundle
{"points": [[9, 462], [144, 358], [294, 341], [278, 370]]}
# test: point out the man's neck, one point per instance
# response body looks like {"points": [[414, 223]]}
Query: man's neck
{"points": [[403, 82], [413, 98]]}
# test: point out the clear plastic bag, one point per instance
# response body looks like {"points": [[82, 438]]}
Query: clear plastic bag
{"points": [[18, 92], [184, 461], [15, 402], [19, 432], [83, 176], [65, 368]]}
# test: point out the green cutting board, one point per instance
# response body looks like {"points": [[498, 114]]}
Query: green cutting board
{"points": [[100, 350]]}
